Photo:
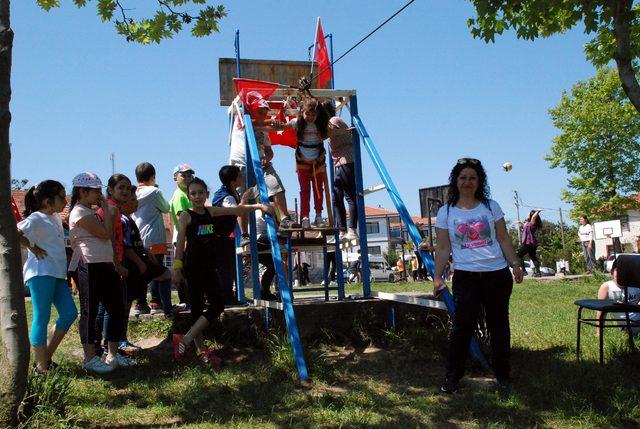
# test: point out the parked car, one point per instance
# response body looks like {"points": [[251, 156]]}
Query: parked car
{"points": [[380, 270], [545, 271]]}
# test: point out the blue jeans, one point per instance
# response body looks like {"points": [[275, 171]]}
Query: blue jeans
{"points": [[45, 291]]}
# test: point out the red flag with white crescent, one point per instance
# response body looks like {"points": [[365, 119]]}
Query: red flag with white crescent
{"points": [[322, 58]]}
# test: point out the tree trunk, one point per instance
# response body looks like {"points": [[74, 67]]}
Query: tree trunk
{"points": [[621, 26], [14, 355]]}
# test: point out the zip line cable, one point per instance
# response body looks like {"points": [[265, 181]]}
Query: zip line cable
{"points": [[309, 82]]}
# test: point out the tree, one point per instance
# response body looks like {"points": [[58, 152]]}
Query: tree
{"points": [[19, 184], [599, 146], [614, 24], [167, 21]]}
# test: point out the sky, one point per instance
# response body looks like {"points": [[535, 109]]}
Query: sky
{"points": [[428, 93]]}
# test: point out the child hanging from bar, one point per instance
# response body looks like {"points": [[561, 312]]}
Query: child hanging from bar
{"points": [[196, 244], [311, 130]]}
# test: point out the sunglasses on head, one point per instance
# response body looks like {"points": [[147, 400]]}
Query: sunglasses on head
{"points": [[468, 161]]}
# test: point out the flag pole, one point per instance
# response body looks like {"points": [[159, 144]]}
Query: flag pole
{"points": [[315, 46]]}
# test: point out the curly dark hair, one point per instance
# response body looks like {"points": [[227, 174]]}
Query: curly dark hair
{"points": [[483, 193]]}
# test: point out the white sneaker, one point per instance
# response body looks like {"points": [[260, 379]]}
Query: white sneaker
{"points": [[319, 222], [96, 366], [333, 284], [322, 283], [305, 223], [351, 236], [120, 361]]}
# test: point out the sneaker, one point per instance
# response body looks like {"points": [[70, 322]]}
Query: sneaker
{"points": [[286, 222], [96, 366], [333, 283], [179, 348], [210, 357], [351, 236], [319, 222], [449, 387], [156, 308], [127, 348], [305, 223], [136, 310], [120, 362], [245, 240], [322, 283]]}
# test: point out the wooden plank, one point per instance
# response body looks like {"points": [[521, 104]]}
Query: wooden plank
{"points": [[276, 305], [408, 299], [279, 71]]}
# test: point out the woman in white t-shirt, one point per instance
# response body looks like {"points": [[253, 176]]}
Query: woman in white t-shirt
{"points": [[471, 227], [585, 231], [98, 280], [45, 269]]}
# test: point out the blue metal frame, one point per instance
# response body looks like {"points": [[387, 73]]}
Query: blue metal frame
{"points": [[406, 219], [365, 273], [254, 170]]}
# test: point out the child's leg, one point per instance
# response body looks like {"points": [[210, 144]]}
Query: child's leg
{"points": [[112, 296], [196, 297], [338, 200], [88, 309], [67, 314], [348, 182], [42, 291], [318, 191], [304, 178]]}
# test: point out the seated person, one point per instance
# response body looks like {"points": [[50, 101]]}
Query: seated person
{"points": [[611, 290]]}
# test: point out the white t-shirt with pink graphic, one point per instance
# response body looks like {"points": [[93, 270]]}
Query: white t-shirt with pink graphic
{"points": [[472, 234]]}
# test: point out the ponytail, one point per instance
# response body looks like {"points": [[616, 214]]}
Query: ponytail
{"points": [[37, 195]]}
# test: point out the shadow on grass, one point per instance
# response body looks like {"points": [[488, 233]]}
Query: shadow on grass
{"points": [[394, 386]]}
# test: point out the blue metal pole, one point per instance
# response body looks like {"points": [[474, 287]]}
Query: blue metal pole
{"points": [[285, 292], [236, 45], [406, 219], [362, 222]]}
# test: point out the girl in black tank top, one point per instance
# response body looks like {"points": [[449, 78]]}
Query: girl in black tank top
{"points": [[196, 232]]}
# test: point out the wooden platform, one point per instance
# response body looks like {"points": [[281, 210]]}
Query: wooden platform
{"points": [[318, 318]]}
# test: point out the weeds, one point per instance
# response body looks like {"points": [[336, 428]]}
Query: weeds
{"points": [[45, 401]]}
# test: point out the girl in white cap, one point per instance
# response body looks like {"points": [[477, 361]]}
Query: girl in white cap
{"points": [[97, 275]]}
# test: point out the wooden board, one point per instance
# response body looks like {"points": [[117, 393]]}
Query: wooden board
{"points": [[278, 71]]}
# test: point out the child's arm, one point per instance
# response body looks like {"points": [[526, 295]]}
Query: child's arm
{"points": [[35, 249], [239, 209], [183, 222], [129, 253]]}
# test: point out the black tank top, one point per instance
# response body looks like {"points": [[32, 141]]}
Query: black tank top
{"points": [[201, 238]]}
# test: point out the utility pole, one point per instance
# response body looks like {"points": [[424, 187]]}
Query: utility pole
{"points": [[516, 198], [564, 249], [113, 163]]}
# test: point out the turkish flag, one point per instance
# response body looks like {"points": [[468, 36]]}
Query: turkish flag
{"points": [[245, 87], [286, 137], [322, 58]]}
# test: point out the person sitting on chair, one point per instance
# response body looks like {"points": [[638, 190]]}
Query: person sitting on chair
{"points": [[612, 290]]}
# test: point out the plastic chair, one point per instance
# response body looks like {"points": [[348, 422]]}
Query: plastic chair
{"points": [[628, 273]]}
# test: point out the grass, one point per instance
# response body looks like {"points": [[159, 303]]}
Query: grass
{"points": [[392, 382]]}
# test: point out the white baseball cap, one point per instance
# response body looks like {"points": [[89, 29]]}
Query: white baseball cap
{"points": [[86, 180]]}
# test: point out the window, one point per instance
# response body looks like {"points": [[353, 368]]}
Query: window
{"points": [[375, 250], [624, 223], [375, 265], [373, 228]]}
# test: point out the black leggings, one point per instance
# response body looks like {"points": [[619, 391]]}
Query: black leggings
{"points": [[270, 270], [531, 251], [471, 290], [344, 186], [204, 281], [100, 283]]}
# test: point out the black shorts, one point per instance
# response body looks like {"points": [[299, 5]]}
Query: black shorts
{"points": [[137, 282]]}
